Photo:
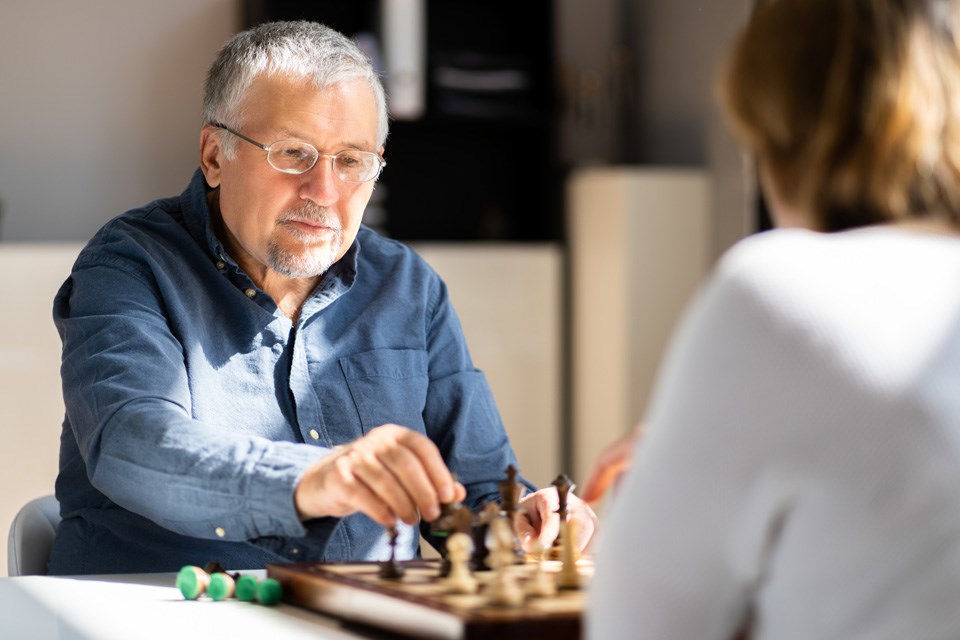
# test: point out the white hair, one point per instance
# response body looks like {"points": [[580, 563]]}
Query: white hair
{"points": [[299, 49]]}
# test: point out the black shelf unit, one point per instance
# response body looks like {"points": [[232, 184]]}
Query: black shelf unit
{"points": [[482, 162]]}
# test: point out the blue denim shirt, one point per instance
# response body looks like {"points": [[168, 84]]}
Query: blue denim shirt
{"points": [[193, 405]]}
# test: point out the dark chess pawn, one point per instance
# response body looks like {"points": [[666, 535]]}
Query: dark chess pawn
{"points": [[391, 569]]}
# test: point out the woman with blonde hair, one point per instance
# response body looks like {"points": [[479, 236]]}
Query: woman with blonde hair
{"points": [[799, 476]]}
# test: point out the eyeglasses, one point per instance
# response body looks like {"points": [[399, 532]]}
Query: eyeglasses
{"points": [[296, 157]]}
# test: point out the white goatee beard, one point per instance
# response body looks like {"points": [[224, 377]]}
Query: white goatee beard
{"points": [[308, 262]]}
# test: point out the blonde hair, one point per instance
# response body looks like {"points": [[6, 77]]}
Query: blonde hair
{"points": [[852, 106]]}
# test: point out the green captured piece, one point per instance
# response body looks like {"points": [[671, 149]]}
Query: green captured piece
{"points": [[192, 582], [221, 586], [246, 588], [269, 592]]}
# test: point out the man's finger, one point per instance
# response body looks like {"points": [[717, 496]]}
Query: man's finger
{"points": [[432, 462], [410, 477], [384, 485]]}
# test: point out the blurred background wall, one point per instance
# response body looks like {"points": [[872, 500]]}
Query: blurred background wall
{"points": [[100, 104]]}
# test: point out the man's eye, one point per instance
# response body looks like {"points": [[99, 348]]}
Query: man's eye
{"points": [[350, 160], [294, 153]]}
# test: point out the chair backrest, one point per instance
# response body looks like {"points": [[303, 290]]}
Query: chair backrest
{"points": [[31, 537]]}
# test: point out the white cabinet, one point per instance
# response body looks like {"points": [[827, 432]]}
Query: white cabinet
{"points": [[639, 245]]}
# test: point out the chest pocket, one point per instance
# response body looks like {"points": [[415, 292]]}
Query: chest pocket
{"points": [[388, 385]]}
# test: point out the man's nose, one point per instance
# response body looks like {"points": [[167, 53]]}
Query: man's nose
{"points": [[320, 184]]}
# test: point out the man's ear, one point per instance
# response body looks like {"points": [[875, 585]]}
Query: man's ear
{"points": [[210, 155]]}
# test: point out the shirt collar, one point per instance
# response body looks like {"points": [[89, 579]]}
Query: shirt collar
{"points": [[197, 216], [338, 279]]}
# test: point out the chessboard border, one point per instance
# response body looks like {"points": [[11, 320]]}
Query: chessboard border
{"points": [[358, 600]]}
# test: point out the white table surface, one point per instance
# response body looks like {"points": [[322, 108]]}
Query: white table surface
{"points": [[145, 606]]}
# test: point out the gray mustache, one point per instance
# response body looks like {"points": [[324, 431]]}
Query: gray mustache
{"points": [[312, 214]]}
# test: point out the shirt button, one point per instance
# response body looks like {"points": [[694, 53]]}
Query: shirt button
{"points": [[221, 265], [250, 292], [295, 551], [220, 532], [314, 434]]}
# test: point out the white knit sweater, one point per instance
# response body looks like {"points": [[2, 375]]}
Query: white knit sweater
{"points": [[802, 462]]}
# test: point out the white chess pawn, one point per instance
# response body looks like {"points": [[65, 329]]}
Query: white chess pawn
{"points": [[542, 583], [569, 577], [460, 580], [503, 589]]}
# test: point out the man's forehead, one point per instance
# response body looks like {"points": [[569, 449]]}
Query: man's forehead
{"points": [[306, 85], [274, 92], [295, 107]]}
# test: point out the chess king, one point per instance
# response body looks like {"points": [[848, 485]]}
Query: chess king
{"points": [[249, 373]]}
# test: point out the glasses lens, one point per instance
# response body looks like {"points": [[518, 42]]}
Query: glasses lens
{"points": [[290, 156], [356, 166]]}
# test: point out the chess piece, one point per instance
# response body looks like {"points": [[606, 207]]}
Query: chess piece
{"points": [[192, 582], [509, 493], [222, 586], [480, 559], [460, 579], [541, 583], [563, 486], [503, 588], [569, 577], [269, 592], [509, 497], [391, 569], [245, 589], [217, 583], [454, 517]]}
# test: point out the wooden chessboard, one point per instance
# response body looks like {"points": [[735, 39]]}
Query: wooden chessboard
{"points": [[420, 606]]}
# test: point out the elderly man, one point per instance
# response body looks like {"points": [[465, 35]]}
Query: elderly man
{"points": [[249, 374]]}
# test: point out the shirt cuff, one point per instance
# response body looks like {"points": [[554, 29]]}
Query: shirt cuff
{"points": [[278, 473]]}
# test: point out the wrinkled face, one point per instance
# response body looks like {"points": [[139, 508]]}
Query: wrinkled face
{"points": [[294, 225]]}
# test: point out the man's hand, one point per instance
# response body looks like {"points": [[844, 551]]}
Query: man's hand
{"points": [[390, 473], [537, 517]]}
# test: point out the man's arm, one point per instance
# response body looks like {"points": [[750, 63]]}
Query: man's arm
{"points": [[128, 402]]}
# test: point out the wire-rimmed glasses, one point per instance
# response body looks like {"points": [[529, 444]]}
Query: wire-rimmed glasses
{"points": [[296, 156]]}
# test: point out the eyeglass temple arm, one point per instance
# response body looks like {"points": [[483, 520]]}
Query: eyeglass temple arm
{"points": [[220, 125]]}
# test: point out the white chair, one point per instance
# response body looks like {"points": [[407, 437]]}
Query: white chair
{"points": [[31, 537]]}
